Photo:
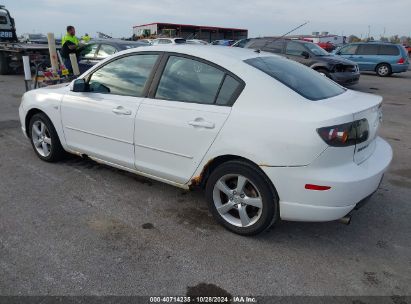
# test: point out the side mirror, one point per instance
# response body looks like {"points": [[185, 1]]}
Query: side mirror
{"points": [[305, 54], [78, 85]]}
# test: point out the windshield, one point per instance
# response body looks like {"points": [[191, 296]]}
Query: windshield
{"points": [[301, 79], [316, 50], [180, 41]]}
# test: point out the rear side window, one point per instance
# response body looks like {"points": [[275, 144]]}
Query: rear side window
{"points": [[189, 80], [368, 49], [301, 79], [272, 46], [229, 87], [389, 50]]}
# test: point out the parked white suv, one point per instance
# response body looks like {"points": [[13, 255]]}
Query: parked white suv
{"points": [[268, 138]]}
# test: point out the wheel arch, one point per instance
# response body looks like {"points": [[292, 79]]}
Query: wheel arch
{"points": [[320, 66], [29, 115], [380, 63], [201, 179]]}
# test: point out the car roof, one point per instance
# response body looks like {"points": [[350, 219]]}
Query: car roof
{"points": [[114, 41], [221, 56]]}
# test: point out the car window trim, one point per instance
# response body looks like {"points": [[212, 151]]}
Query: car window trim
{"points": [[149, 79], [160, 71]]}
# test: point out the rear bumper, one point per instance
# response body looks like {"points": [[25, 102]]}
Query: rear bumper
{"points": [[399, 68], [350, 184]]}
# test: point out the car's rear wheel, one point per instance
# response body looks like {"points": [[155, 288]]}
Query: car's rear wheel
{"points": [[44, 138], [241, 198], [383, 70]]}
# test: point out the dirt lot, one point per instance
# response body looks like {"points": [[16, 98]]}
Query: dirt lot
{"points": [[80, 228]]}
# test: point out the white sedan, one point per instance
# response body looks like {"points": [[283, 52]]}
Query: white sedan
{"points": [[267, 138]]}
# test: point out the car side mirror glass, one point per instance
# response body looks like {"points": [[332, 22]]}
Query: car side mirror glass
{"points": [[305, 54], [79, 85]]}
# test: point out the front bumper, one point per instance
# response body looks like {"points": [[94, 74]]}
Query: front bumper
{"points": [[22, 115], [350, 183], [346, 78]]}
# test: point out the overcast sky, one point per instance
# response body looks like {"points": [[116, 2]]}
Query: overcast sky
{"points": [[261, 17]]}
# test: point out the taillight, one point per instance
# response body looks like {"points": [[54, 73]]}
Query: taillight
{"points": [[345, 135], [401, 61]]}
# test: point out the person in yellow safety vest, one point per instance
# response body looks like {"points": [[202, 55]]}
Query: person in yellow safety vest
{"points": [[86, 38], [69, 44]]}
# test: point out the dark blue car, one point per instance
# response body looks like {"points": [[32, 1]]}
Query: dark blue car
{"points": [[382, 58], [97, 50]]}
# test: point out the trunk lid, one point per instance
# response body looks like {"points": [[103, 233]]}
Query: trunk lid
{"points": [[361, 106]]}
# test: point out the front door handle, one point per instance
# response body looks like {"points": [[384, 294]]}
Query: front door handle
{"points": [[201, 123], [121, 111]]}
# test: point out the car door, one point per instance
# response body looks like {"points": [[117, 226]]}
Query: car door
{"points": [[295, 51], [100, 121], [88, 57], [188, 104], [367, 56]]}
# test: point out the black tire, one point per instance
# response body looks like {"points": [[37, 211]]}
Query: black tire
{"points": [[383, 70], [4, 64], [56, 150], [269, 213]]}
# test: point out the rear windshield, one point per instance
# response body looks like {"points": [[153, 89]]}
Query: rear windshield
{"points": [[301, 79]]}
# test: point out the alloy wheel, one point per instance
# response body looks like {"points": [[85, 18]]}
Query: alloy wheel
{"points": [[41, 138], [383, 70], [237, 200]]}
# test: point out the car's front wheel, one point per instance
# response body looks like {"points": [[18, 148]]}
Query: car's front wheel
{"points": [[44, 138], [383, 70], [241, 198]]}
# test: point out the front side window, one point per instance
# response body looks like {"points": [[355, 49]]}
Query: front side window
{"points": [[348, 50], [105, 51], [295, 49], [89, 51], [124, 76], [189, 80], [316, 50], [301, 79]]}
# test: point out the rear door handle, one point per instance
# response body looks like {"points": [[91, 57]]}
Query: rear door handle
{"points": [[201, 123], [121, 111]]}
